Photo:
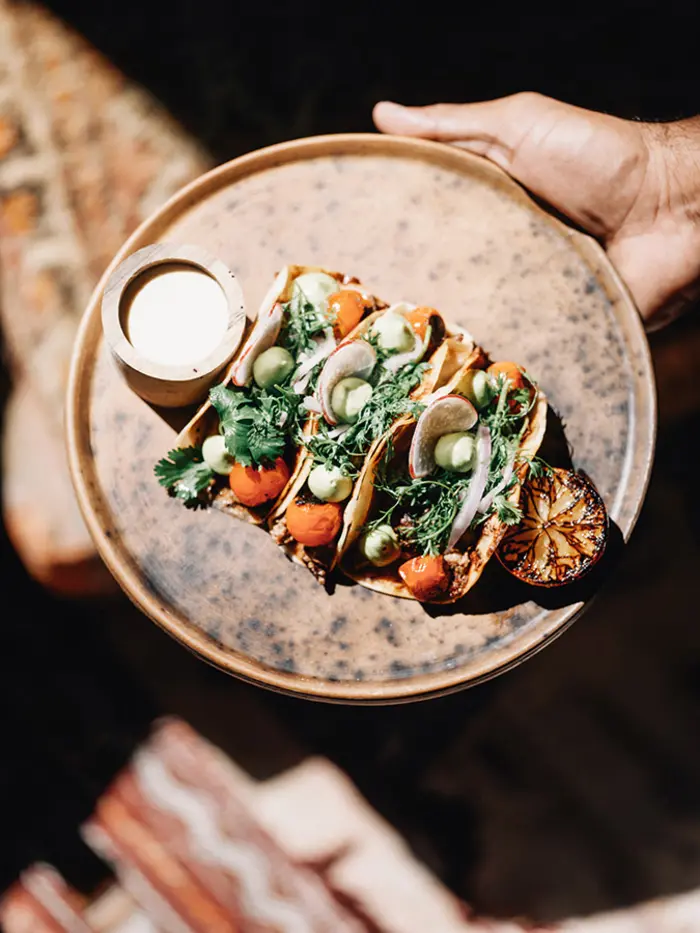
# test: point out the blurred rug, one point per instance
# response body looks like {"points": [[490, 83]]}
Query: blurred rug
{"points": [[85, 156]]}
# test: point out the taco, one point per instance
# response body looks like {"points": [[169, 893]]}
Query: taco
{"points": [[438, 494], [373, 379], [242, 449]]}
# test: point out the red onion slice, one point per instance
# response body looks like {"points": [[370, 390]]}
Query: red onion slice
{"points": [[433, 396], [487, 501], [300, 385], [444, 415], [264, 335], [354, 358], [312, 404], [325, 345], [475, 490], [339, 431]]}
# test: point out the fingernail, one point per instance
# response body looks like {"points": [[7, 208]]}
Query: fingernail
{"points": [[390, 105], [409, 116]]}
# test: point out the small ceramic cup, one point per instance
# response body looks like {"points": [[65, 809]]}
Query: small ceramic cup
{"points": [[177, 380]]}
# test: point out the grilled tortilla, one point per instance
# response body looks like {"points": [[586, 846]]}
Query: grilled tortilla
{"points": [[466, 561]]}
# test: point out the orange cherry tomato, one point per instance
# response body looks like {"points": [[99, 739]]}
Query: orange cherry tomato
{"points": [[426, 577], [347, 308], [256, 485], [419, 319], [511, 371], [314, 523], [515, 375]]}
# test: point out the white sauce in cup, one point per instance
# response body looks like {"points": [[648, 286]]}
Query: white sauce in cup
{"points": [[174, 314]]}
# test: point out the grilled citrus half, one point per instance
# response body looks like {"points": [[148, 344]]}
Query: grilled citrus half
{"points": [[563, 532]]}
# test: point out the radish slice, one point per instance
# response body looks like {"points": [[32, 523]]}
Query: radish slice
{"points": [[264, 335], [487, 501], [445, 415], [300, 385], [475, 490], [354, 358]]}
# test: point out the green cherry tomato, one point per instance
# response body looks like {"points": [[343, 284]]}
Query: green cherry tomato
{"points": [[455, 452], [478, 386], [349, 397], [216, 456], [329, 484], [394, 333], [272, 367], [380, 545]]}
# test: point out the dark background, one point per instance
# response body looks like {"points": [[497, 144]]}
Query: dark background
{"points": [[242, 74], [581, 764]]}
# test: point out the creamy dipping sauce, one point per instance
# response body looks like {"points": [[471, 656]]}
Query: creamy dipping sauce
{"points": [[174, 314]]}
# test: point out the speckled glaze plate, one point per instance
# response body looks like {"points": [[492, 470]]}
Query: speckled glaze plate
{"points": [[417, 221]]}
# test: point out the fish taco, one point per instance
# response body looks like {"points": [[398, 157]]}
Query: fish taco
{"points": [[437, 495]]}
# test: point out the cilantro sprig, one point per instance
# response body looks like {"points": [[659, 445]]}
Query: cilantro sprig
{"points": [[184, 474], [303, 321], [256, 423], [537, 467]]}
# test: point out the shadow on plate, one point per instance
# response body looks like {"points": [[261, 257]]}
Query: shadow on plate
{"points": [[176, 418], [498, 590]]}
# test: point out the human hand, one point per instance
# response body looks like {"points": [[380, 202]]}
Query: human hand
{"points": [[635, 186]]}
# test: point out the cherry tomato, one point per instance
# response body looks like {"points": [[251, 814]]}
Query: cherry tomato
{"points": [[516, 377], [426, 577], [347, 307], [420, 318], [256, 485], [511, 371], [314, 523]]}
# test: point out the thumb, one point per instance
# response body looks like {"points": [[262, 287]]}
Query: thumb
{"points": [[491, 128]]}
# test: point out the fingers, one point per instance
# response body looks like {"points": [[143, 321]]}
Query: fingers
{"points": [[592, 167], [494, 129]]}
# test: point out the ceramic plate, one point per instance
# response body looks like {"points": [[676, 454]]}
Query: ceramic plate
{"points": [[413, 220]]}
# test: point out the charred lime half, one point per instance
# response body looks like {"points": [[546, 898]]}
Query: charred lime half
{"points": [[563, 532]]}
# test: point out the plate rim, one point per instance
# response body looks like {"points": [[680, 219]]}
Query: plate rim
{"points": [[420, 686]]}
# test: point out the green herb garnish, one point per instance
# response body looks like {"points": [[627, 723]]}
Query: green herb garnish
{"points": [[507, 512], [372, 338], [389, 400], [537, 467], [255, 423], [430, 506], [506, 425], [184, 474], [303, 321]]}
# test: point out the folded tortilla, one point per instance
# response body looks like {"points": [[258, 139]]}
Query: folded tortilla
{"points": [[466, 561]]}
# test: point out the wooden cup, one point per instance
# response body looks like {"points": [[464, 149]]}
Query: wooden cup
{"points": [[166, 385]]}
